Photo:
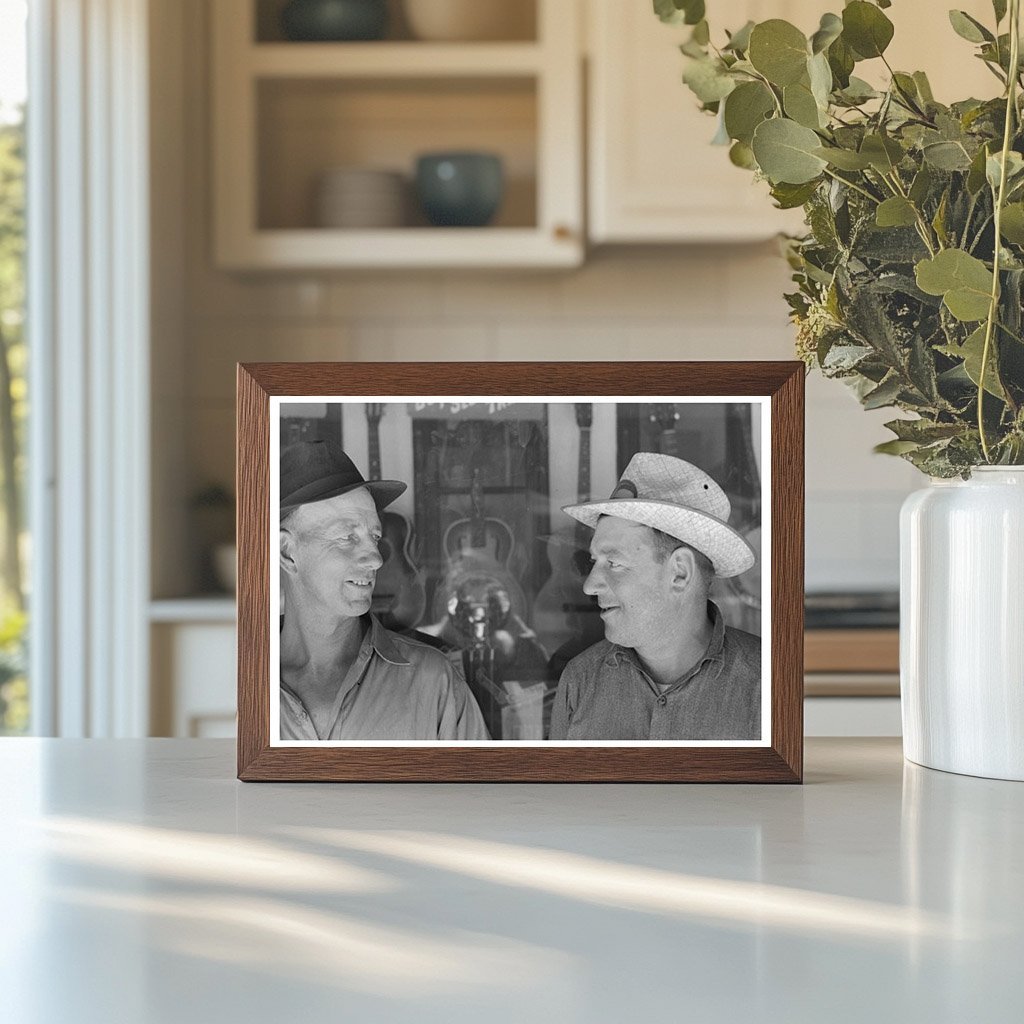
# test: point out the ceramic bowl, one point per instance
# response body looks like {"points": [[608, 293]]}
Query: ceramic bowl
{"points": [[460, 189], [334, 20], [360, 197]]}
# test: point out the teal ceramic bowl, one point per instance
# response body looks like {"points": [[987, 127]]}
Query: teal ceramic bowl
{"points": [[460, 189], [332, 21]]}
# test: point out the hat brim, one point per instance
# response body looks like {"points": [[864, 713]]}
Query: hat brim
{"points": [[383, 492], [729, 552]]}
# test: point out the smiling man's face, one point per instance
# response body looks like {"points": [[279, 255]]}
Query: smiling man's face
{"points": [[334, 550], [633, 588]]}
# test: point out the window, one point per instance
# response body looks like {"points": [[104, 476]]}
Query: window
{"points": [[14, 548]]}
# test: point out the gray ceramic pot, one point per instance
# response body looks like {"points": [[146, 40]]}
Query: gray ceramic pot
{"points": [[334, 20], [460, 189]]}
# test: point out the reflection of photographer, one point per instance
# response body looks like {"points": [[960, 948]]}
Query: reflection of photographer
{"points": [[481, 619]]}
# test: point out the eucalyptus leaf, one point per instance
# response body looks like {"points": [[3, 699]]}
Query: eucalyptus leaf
{"points": [[800, 105], [976, 173], [676, 12], [924, 88], [858, 91], [701, 33], [946, 156], [971, 352], [999, 8], [829, 30], [844, 159], [788, 196], [1011, 225], [721, 136], [923, 431], [963, 281], [939, 220], [707, 80], [820, 76], [885, 394], [883, 153], [994, 168], [785, 152], [895, 447], [779, 51], [866, 29], [921, 185], [969, 28], [745, 108], [741, 155], [895, 212], [739, 41], [841, 60]]}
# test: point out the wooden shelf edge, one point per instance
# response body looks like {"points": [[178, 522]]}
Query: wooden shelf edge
{"points": [[852, 650], [392, 60]]}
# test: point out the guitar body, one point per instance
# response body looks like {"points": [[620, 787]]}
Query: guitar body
{"points": [[399, 593]]}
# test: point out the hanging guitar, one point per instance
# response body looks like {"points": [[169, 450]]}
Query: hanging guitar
{"points": [[562, 612], [666, 419], [399, 594], [481, 545]]}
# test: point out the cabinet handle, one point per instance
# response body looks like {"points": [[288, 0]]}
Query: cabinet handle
{"points": [[563, 232]]}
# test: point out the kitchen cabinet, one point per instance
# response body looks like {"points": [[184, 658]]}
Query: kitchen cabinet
{"points": [[287, 113], [653, 175]]}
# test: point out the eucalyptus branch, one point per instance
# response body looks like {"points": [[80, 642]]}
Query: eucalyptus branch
{"points": [[853, 185], [993, 308], [977, 238]]}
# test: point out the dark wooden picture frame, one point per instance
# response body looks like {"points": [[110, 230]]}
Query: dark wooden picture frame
{"points": [[780, 760]]}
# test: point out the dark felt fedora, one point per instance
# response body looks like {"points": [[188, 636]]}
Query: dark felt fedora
{"points": [[318, 470]]}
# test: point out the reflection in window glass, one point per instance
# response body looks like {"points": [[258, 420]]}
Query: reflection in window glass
{"points": [[14, 549]]}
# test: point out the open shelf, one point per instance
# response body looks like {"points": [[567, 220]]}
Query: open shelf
{"points": [[306, 128]]}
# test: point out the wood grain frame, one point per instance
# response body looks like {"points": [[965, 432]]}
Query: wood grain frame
{"points": [[781, 761]]}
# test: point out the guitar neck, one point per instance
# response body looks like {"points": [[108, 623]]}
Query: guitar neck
{"points": [[583, 472], [374, 446]]}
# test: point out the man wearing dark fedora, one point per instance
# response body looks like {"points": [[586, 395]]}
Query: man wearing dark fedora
{"points": [[343, 675], [668, 667]]}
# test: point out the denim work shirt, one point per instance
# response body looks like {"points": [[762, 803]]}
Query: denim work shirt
{"points": [[605, 693], [396, 689]]}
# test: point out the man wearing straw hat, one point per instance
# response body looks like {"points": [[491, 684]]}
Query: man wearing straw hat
{"points": [[343, 675], [668, 668]]}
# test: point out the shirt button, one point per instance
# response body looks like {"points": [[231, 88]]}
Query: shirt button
{"points": [[662, 700]]}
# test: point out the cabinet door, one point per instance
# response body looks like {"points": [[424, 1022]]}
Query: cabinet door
{"points": [[653, 174]]}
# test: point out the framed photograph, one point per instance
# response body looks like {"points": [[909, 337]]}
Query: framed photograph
{"points": [[520, 572]]}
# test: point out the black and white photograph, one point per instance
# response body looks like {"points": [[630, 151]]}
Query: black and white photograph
{"points": [[535, 571]]}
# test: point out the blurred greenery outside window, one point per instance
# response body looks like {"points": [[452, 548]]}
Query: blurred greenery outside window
{"points": [[14, 547]]}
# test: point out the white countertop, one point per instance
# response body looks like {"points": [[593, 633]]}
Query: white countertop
{"points": [[143, 884]]}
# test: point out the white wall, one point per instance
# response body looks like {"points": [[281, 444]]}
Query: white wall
{"points": [[721, 302]]}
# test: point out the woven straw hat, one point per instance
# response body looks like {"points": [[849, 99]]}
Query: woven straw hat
{"points": [[679, 499]]}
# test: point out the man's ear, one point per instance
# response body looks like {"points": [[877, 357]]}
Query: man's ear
{"points": [[288, 552], [684, 568]]}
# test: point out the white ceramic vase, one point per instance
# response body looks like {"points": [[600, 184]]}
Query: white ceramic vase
{"points": [[962, 624]]}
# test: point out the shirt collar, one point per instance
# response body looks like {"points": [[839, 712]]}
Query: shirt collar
{"points": [[714, 653], [380, 640]]}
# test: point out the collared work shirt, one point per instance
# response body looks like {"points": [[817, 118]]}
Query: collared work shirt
{"points": [[605, 693], [396, 689]]}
